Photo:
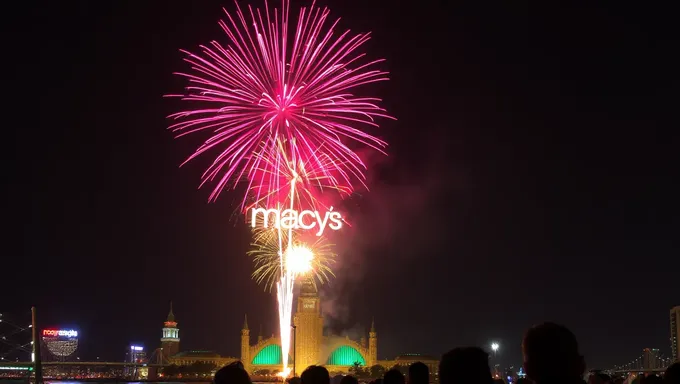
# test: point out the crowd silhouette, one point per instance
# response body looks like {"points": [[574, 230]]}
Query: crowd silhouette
{"points": [[551, 356]]}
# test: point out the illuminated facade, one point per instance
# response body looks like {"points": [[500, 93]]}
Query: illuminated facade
{"points": [[170, 339], [60, 344], [311, 346], [135, 354], [675, 333]]}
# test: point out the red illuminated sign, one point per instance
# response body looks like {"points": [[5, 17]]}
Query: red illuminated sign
{"points": [[60, 332]]}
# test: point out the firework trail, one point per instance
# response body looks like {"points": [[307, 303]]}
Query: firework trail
{"points": [[277, 105]]}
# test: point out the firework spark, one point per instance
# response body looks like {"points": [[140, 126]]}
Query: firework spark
{"points": [[315, 258], [268, 88]]}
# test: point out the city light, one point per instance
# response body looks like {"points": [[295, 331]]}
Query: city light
{"points": [[136, 348]]}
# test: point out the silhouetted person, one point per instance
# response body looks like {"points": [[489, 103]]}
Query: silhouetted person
{"points": [[336, 379], [315, 374], [672, 375], [465, 366], [294, 380], [652, 379], [394, 376], [233, 373], [551, 355], [349, 380], [595, 379], [523, 380], [418, 373]]}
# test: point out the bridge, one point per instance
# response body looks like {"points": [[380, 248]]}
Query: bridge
{"points": [[9, 365], [650, 361]]}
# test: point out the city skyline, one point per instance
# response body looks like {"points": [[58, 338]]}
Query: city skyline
{"points": [[650, 357], [531, 177]]}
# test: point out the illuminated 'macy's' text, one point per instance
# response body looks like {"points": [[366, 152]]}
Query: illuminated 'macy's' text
{"points": [[292, 219]]}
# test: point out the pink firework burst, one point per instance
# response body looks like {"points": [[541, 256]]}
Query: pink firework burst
{"points": [[279, 104]]}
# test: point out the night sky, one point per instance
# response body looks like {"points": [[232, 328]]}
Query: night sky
{"points": [[532, 175]]}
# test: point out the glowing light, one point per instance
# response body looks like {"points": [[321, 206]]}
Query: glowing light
{"points": [[346, 355], [136, 348], [284, 373], [60, 332], [494, 347], [269, 355], [299, 259], [266, 255]]}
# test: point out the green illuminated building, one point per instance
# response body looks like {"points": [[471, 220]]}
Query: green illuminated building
{"points": [[312, 347]]}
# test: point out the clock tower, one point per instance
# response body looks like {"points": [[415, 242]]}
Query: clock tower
{"points": [[170, 339], [309, 327]]}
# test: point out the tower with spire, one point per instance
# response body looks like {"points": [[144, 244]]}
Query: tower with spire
{"points": [[170, 339], [245, 344], [309, 326], [372, 345]]}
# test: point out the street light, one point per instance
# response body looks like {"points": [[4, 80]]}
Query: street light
{"points": [[494, 348]]}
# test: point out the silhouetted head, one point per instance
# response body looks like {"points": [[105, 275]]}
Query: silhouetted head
{"points": [[551, 355], [672, 375], [315, 374], [393, 376], [233, 373], [465, 366], [294, 380], [336, 379], [595, 379], [349, 380], [652, 379], [418, 373]]}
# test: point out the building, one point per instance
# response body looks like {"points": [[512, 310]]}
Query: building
{"points": [[135, 354], [170, 339], [675, 333], [172, 355], [312, 347], [59, 344]]}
